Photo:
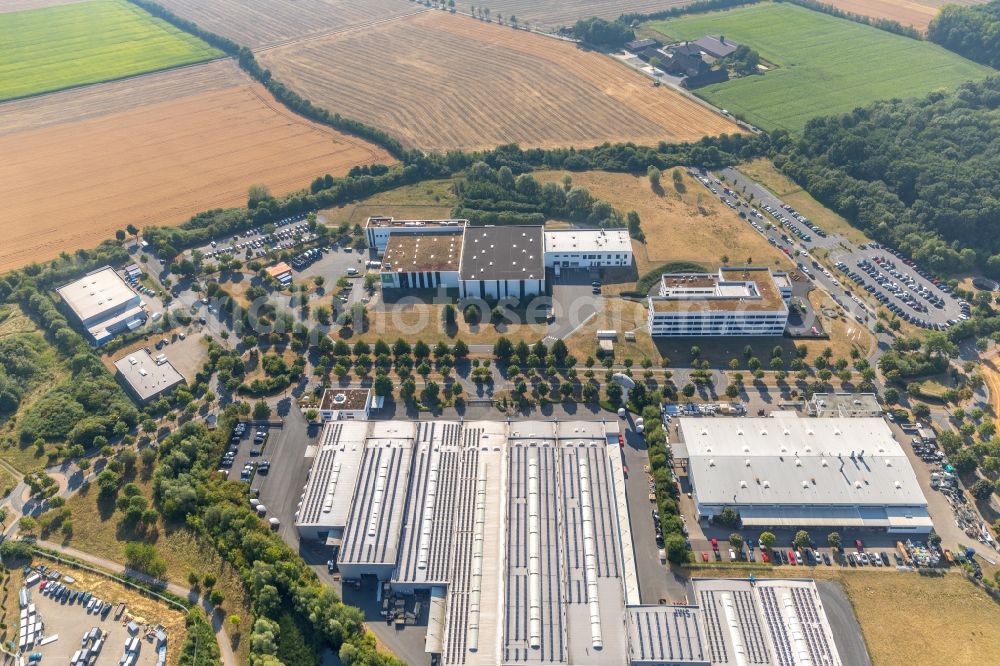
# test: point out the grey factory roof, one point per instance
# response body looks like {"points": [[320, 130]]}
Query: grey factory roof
{"points": [[503, 253], [845, 404], [765, 621], [788, 461], [147, 377], [666, 634], [375, 519], [96, 293], [567, 572], [334, 475]]}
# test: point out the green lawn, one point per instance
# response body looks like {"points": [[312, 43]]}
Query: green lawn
{"points": [[88, 42], [825, 65]]}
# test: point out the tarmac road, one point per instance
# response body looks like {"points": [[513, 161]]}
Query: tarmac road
{"points": [[846, 630]]}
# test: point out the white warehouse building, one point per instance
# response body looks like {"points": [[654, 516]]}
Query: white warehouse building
{"points": [[104, 304], [587, 248], [786, 472], [745, 301]]}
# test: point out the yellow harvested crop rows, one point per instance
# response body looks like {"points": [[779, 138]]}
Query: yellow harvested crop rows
{"points": [[439, 81], [257, 23], [917, 13], [100, 158]]}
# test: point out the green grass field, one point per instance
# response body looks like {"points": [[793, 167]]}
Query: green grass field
{"points": [[88, 42], [825, 65]]}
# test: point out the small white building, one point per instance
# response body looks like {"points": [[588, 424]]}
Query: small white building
{"points": [[347, 404], [735, 302], [104, 304], [587, 248], [145, 377]]}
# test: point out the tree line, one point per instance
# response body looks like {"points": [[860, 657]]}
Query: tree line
{"points": [[914, 174], [973, 31]]}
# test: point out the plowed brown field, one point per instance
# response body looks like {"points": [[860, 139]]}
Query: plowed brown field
{"points": [[257, 23], [150, 150], [917, 13], [439, 81]]}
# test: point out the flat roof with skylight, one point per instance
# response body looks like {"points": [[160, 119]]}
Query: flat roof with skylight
{"points": [[587, 240], [411, 253], [503, 253], [147, 377]]}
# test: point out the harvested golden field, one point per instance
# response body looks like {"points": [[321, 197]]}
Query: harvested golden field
{"points": [[556, 13], [692, 225], [917, 13], [439, 81], [81, 164], [257, 23]]}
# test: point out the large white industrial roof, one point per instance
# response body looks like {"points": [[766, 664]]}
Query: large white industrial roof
{"points": [[789, 460], [100, 291]]}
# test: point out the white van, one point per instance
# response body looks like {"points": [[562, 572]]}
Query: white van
{"points": [[352, 271]]}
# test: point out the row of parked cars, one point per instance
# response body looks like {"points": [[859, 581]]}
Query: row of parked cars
{"points": [[905, 291], [63, 594], [289, 233]]}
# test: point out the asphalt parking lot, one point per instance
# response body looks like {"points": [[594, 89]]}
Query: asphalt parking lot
{"points": [[904, 288], [573, 300], [249, 451]]}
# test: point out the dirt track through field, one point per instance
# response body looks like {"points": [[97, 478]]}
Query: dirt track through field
{"points": [[439, 81], [917, 13], [991, 375], [70, 184]]}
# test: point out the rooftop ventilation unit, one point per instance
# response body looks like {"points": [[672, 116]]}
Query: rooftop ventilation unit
{"points": [[767, 484]]}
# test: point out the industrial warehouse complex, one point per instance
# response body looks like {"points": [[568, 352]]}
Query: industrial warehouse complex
{"points": [[744, 301], [104, 304], [789, 472], [490, 262], [519, 534]]}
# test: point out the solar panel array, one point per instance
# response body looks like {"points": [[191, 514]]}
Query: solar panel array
{"points": [[805, 616], [667, 634], [372, 529]]}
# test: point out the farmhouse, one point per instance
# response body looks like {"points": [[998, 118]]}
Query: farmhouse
{"points": [[785, 472], [587, 248], [103, 304], [640, 44], [745, 301], [422, 261], [147, 378], [349, 404], [717, 47]]}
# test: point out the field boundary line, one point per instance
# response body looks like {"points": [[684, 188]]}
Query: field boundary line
{"points": [[130, 77]]}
